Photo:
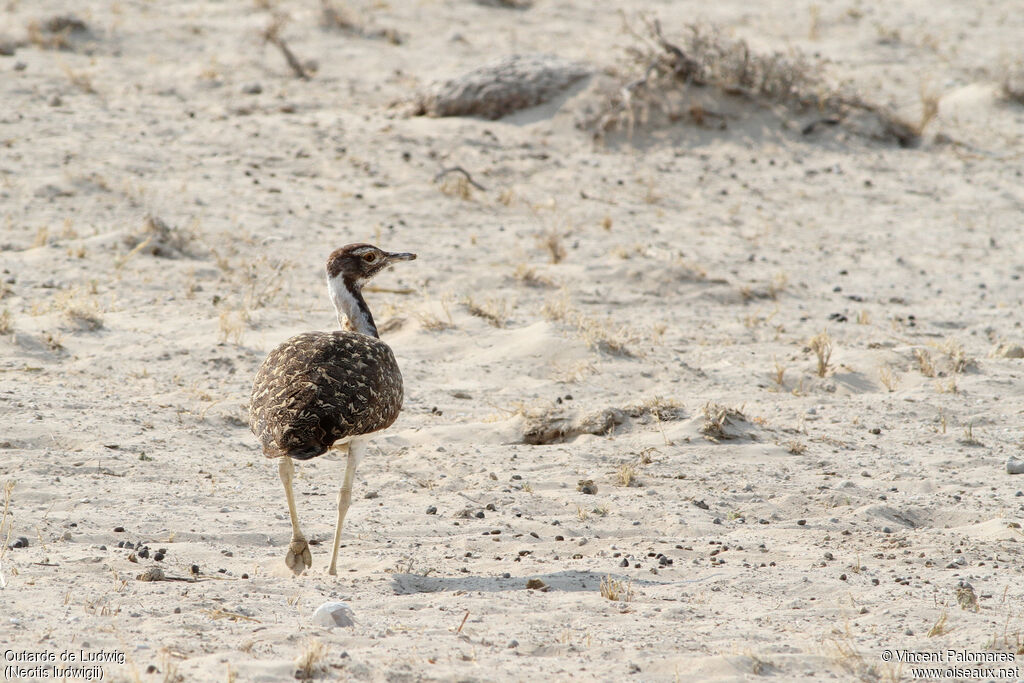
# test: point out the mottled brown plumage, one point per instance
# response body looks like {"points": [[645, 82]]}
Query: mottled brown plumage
{"points": [[322, 388]]}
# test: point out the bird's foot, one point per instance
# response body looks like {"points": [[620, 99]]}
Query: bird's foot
{"points": [[298, 558]]}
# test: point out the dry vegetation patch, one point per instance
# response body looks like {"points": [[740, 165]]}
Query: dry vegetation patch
{"points": [[660, 84]]}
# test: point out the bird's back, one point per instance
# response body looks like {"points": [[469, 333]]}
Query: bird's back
{"points": [[319, 387]]}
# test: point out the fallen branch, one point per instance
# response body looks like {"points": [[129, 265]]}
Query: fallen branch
{"points": [[272, 35], [459, 169]]}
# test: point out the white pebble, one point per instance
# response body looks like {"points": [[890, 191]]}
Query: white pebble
{"points": [[1014, 466], [333, 614]]}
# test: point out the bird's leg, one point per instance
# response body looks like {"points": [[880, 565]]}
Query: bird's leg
{"points": [[355, 454], [298, 557]]}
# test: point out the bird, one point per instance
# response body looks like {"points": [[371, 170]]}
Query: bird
{"points": [[319, 390]]}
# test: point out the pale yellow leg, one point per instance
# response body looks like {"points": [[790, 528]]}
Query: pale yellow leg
{"points": [[355, 454], [298, 557]]}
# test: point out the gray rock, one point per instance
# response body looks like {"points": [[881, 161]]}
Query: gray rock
{"points": [[502, 87]]}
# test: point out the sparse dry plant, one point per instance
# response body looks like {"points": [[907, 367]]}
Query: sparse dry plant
{"points": [[955, 354], [625, 475], [529, 277], [924, 362], [430, 320], [456, 186], [863, 317], [660, 87], [821, 345], [6, 322], [939, 628], [616, 590], [779, 376], [889, 379], [795, 447], [599, 335], [717, 418], [232, 324], [495, 311], [6, 528], [551, 242], [312, 660]]}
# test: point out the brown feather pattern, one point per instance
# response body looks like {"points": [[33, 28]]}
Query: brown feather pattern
{"points": [[319, 387]]}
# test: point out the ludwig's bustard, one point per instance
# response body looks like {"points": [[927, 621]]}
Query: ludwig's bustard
{"points": [[320, 389]]}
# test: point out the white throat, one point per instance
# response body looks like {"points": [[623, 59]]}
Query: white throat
{"points": [[351, 307]]}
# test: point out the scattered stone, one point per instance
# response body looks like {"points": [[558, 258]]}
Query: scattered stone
{"points": [[370, 495], [252, 89], [21, 542], [1014, 466], [332, 614], [152, 574], [158, 556], [586, 486], [624, 563], [1009, 351], [701, 504], [536, 584], [118, 529], [431, 510], [144, 553], [479, 514], [512, 644]]}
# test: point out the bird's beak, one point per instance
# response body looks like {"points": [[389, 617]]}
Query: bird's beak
{"points": [[401, 256]]}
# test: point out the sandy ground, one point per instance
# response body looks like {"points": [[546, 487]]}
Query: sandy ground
{"points": [[843, 520]]}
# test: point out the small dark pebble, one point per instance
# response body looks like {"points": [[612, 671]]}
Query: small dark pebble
{"points": [[152, 669], [534, 534], [480, 514], [120, 544], [842, 577], [491, 506], [371, 495], [194, 569], [245, 576], [624, 563], [144, 553], [801, 522], [103, 547], [164, 551], [222, 571], [177, 610], [431, 510], [700, 504], [129, 545], [118, 529], [22, 542], [506, 575], [636, 566], [158, 556], [663, 561], [559, 538], [516, 477]]}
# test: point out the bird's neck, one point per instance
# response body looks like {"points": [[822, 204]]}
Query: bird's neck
{"points": [[352, 309]]}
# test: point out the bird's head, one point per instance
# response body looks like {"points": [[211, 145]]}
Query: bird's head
{"points": [[357, 263]]}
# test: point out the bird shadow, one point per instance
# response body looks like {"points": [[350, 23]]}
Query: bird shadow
{"points": [[569, 581]]}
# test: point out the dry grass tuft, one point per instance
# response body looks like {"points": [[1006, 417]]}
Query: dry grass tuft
{"points": [[616, 590], [939, 628], [924, 362], [599, 334], [821, 345], [6, 322], [311, 661], [429, 320], [494, 311], [625, 476], [661, 88], [717, 421], [232, 325], [551, 242], [888, 378], [159, 239], [529, 277]]}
